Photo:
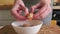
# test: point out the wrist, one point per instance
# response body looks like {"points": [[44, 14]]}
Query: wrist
{"points": [[46, 1]]}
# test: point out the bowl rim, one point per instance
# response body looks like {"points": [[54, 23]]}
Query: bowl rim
{"points": [[27, 27]]}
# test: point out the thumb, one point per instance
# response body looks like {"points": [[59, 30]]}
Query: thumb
{"points": [[26, 10], [34, 7]]}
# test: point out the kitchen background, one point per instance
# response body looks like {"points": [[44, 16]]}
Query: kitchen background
{"points": [[6, 18]]}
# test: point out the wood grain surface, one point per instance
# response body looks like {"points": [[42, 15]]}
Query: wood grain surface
{"points": [[6, 4], [6, 7], [44, 30]]}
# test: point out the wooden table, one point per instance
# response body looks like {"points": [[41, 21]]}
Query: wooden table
{"points": [[44, 30]]}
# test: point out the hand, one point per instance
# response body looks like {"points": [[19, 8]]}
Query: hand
{"points": [[43, 10], [46, 1], [17, 9]]}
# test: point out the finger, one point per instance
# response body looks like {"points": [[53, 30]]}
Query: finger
{"points": [[37, 15], [22, 6], [26, 11], [14, 10], [20, 2], [43, 15], [16, 6], [43, 8], [17, 15], [20, 12], [34, 7]]}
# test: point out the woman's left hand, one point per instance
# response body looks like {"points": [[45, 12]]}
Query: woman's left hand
{"points": [[43, 9]]}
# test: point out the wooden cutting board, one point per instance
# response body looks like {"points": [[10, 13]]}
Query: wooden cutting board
{"points": [[6, 4], [44, 30]]}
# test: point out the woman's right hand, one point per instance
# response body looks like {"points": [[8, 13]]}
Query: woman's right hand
{"points": [[43, 9], [17, 9]]}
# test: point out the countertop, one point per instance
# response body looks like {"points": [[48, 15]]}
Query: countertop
{"points": [[6, 7], [8, 29], [56, 7]]}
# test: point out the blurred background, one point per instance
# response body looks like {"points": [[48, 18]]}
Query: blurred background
{"points": [[6, 18], [5, 8]]}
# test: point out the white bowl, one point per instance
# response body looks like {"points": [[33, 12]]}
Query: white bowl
{"points": [[27, 30]]}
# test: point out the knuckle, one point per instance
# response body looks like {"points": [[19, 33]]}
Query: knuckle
{"points": [[12, 10]]}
